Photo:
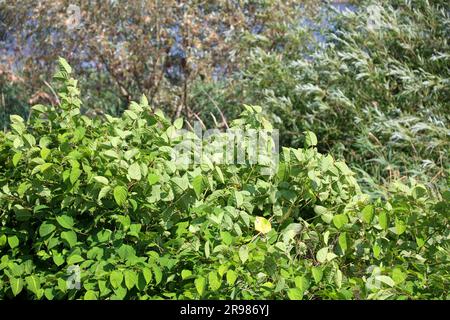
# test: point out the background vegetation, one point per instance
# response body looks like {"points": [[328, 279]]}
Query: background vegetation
{"points": [[358, 209]]}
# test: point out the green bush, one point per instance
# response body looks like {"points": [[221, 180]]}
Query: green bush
{"points": [[104, 196]]}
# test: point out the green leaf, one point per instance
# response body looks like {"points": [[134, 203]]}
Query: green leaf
{"points": [[111, 154], [91, 295], [18, 142], [178, 124], [385, 279], [383, 220], [158, 273], [141, 282], [326, 237], [65, 221], [207, 249], [231, 277], [295, 294], [16, 158], [376, 250], [70, 237], [327, 217], [301, 283], [45, 153], [181, 182], [101, 179], [17, 269], [238, 198], [30, 139], [23, 187], [400, 226], [398, 275], [186, 274], [340, 220], [317, 273], [147, 275], [75, 173], [152, 178], [95, 253], [104, 235], [34, 285], [49, 293], [222, 269], [243, 253], [130, 114], [120, 195], [58, 259], [219, 174], [310, 139], [143, 102], [103, 192], [13, 241], [22, 214], [3, 240], [320, 210], [367, 214], [200, 285], [321, 255], [116, 278], [62, 285], [126, 252], [16, 285], [119, 293], [134, 171], [64, 66], [14, 118], [338, 278], [136, 107], [74, 259], [227, 238], [292, 230], [343, 241], [262, 225], [214, 281], [419, 192], [331, 256], [44, 167], [198, 186], [131, 278], [46, 228]]}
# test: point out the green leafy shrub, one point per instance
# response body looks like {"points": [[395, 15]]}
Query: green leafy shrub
{"points": [[104, 196]]}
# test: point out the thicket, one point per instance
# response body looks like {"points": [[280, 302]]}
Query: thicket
{"points": [[358, 207], [104, 195]]}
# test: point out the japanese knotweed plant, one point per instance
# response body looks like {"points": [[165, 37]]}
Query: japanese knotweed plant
{"points": [[98, 209]]}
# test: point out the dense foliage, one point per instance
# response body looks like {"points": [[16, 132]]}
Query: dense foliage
{"points": [[376, 93], [104, 195]]}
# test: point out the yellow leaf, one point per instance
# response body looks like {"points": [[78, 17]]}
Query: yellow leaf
{"points": [[262, 225]]}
